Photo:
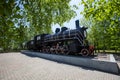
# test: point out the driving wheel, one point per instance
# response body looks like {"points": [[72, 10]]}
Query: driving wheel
{"points": [[84, 52]]}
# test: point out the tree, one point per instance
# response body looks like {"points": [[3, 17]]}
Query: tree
{"points": [[105, 16], [22, 19], [42, 13]]}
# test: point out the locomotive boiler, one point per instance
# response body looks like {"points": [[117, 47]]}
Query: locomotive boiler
{"points": [[64, 41]]}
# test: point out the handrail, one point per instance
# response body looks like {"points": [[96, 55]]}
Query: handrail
{"points": [[81, 33], [79, 38]]}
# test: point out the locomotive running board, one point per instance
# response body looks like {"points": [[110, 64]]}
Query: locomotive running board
{"points": [[110, 66]]}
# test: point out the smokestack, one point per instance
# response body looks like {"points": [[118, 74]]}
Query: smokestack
{"points": [[77, 24]]}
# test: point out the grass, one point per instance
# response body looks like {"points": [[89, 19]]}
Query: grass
{"points": [[108, 51]]}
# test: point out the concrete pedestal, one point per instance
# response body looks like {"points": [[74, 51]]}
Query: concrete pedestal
{"points": [[103, 65]]}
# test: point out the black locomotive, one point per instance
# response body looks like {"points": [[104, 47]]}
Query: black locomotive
{"points": [[64, 41]]}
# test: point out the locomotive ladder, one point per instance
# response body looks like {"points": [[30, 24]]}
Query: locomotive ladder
{"points": [[77, 34]]}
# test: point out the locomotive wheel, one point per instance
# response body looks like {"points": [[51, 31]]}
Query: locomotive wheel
{"points": [[62, 51], [52, 50], [56, 51], [47, 50], [84, 52]]}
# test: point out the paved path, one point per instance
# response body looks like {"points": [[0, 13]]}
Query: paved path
{"points": [[17, 66]]}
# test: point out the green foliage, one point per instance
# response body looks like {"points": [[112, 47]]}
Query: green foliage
{"points": [[22, 19], [6, 7], [43, 13], [105, 17]]}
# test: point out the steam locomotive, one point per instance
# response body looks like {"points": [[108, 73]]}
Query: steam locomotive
{"points": [[64, 41]]}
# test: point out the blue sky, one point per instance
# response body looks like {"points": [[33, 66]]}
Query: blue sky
{"points": [[71, 23]]}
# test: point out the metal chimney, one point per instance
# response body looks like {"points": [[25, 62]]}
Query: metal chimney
{"points": [[77, 24]]}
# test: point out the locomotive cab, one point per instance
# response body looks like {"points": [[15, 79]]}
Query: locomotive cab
{"points": [[30, 45], [37, 41]]}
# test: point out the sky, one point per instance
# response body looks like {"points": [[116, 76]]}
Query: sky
{"points": [[71, 23]]}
